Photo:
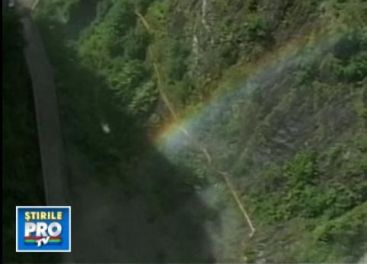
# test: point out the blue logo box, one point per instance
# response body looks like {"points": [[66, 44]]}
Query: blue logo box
{"points": [[43, 229]]}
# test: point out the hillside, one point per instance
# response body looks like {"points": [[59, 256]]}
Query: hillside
{"points": [[258, 108]]}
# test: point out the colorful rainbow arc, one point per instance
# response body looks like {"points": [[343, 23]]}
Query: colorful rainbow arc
{"points": [[172, 137]]}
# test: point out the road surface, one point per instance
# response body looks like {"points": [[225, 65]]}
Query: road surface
{"points": [[47, 115], [108, 226]]}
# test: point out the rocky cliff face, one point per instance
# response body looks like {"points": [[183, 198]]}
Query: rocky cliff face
{"points": [[285, 116], [272, 94]]}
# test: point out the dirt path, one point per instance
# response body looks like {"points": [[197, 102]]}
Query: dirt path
{"points": [[204, 149], [108, 226]]}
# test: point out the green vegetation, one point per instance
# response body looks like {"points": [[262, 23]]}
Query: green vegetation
{"points": [[300, 189], [102, 81], [288, 118], [59, 9], [349, 230], [117, 49]]}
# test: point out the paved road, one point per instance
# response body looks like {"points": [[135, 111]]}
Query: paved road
{"points": [[107, 226], [47, 115]]}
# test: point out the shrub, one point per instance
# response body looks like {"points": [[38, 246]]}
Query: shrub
{"points": [[176, 64], [356, 69]]}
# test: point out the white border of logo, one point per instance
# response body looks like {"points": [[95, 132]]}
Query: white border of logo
{"points": [[40, 207]]}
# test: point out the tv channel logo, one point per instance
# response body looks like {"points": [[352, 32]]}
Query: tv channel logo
{"points": [[43, 229]]}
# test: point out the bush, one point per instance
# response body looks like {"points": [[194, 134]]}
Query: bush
{"points": [[135, 44], [143, 99], [347, 46], [256, 28], [356, 69], [299, 193], [176, 62], [301, 170], [343, 236]]}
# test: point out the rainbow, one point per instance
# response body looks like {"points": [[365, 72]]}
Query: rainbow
{"points": [[173, 135]]}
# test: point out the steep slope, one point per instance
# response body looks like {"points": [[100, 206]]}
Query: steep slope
{"points": [[264, 102]]}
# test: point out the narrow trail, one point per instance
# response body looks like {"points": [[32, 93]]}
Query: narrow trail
{"points": [[202, 148], [204, 5]]}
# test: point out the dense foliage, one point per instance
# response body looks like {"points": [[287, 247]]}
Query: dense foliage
{"points": [[281, 90]]}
